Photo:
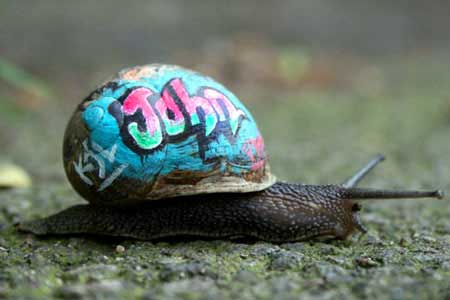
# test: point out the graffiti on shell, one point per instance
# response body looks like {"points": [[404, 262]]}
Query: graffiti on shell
{"points": [[254, 149], [149, 116], [94, 161]]}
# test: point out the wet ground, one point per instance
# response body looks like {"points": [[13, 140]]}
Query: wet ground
{"points": [[317, 131]]}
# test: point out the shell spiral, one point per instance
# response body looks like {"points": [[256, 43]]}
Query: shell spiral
{"points": [[158, 131]]}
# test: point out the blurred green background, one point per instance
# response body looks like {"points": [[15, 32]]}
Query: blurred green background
{"points": [[330, 83]]}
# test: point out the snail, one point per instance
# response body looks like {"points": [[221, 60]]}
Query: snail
{"points": [[161, 151]]}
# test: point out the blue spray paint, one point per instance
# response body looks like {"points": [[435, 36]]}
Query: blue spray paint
{"points": [[235, 152]]}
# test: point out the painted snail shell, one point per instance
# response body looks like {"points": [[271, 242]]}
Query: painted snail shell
{"points": [[160, 131]]}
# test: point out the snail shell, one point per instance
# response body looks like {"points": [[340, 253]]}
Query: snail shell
{"points": [[159, 131]]}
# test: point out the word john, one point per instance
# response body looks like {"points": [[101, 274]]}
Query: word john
{"points": [[169, 110]]}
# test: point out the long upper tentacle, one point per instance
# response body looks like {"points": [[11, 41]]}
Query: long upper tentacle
{"points": [[355, 179]]}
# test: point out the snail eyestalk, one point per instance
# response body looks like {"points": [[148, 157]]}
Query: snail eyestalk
{"points": [[355, 179], [368, 194]]}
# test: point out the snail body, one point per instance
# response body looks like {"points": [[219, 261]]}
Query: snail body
{"points": [[162, 151]]}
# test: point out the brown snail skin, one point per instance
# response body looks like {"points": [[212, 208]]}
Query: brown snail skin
{"points": [[284, 212]]}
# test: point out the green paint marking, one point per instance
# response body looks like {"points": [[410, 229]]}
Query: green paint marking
{"points": [[174, 129], [194, 119], [210, 124], [144, 139]]}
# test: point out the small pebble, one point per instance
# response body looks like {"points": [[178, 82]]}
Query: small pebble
{"points": [[172, 271], [285, 260], [336, 260], [332, 273], [429, 239], [299, 246], [415, 235], [327, 249], [366, 262], [262, 249], [120, 249], [404, 242], [29, 241], [373, 240]]}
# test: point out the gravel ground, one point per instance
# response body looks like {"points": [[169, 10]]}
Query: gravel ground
{"points": [[313, 135]]}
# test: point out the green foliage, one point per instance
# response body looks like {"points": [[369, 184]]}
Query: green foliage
{"points": [[22, 80]]}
